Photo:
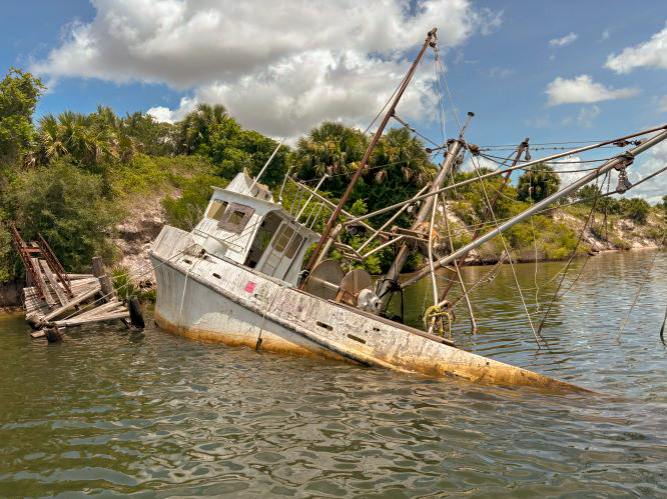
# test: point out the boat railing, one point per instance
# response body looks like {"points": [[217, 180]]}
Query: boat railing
{"points": [[308, 207]]}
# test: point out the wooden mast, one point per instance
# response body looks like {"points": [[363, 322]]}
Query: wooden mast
{"points": [[428, 42]]}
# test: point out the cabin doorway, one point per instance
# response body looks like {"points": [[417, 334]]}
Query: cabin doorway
{"points": [[266, 231]]}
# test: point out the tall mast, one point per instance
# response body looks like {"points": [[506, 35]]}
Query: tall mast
{"points": [[429, 42], [620, 162], [453, 148], [523, 147]]}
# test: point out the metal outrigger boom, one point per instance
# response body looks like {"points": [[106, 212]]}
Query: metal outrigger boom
{"points": [[620, 162]]}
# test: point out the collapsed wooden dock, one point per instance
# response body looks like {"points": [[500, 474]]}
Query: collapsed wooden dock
{"points": [[53, 293]]}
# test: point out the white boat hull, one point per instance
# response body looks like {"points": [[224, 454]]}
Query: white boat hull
{"points": [[218, 300]]}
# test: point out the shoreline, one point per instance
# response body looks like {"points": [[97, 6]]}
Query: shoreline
{"points": [[483, 263]]}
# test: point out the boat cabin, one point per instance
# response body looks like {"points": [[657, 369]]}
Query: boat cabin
{"points": [[244, 224]]}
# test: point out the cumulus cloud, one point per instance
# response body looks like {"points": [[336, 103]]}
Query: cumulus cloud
{"points": [[563, 41], [583, 89], [569, 169], [471, 165], [652, 54], [279, 69]]}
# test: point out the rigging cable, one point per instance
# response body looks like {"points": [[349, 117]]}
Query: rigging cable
{"points": [[473, 322], [639, 290], [502, 238], [567, 266], [581, 270]]}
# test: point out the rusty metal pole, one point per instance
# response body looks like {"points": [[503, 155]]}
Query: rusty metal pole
{"points": [[619, 163], [430, 41], [461, 262], [453, 149]]}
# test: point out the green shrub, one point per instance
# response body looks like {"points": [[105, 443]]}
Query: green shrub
{"points": [[125, 288], [187, 210], [67, 206]]}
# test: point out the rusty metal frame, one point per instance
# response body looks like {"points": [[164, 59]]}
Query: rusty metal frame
{"points": [[55, 265], [24, 252]]}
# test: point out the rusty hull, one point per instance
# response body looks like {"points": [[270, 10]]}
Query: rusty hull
{"points": [[214, 299]]}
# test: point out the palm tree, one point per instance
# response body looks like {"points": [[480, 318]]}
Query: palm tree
{"points": [[83, 137], [198, 125], [331, 148], [537, 183], [402, 156]]}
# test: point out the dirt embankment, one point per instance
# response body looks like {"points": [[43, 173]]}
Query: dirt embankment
{"points": [[600, 234], [134, 236]]}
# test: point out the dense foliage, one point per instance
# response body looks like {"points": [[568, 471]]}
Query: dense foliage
{"points": [[74, 177], [537, 183]]}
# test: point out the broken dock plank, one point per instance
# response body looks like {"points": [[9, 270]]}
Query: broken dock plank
{"points": [[94, 289], [47, 295], [53, 281], [76, 321]]}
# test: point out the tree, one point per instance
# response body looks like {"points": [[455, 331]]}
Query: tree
{"points": [[538, 183], [19, 93], [89, 139], [152, 138], [235, 150], [66, 205], [197, 127], [637, 209], [331, 148], [399, 167]]}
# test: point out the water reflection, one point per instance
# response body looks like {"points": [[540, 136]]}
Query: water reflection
{"points": [[156, 415]]}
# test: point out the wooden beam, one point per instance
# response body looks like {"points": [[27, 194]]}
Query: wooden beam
{"points": [[77, 299], [48, 297], [53, 280], [106, 317]]}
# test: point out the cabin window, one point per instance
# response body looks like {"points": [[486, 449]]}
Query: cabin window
{"points": [[266, 231], [294, 246], [236, 217], [284, 235], [217, 210]]}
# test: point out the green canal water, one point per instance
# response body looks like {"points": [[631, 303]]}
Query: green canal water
{"points": [[116, 414]]}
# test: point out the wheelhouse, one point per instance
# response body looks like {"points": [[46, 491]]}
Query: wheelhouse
{"points": [[242, 223]]}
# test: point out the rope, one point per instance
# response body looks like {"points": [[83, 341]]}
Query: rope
{"points": [[639, 290], [449, 94], [385, 105], [502, 238], [473, 322], [567, 266], [130, 281], [442, 115], [434, 315]]}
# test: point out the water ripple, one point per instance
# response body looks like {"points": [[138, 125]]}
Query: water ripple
{"points": [[155, 415]]}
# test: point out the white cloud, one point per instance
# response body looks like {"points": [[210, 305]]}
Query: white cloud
{"points": [[470, 165], [166, 115], [583, 89], [652, 53], [280, 69], [570, 167], [563, 41], [586, 116], [654, 159]]}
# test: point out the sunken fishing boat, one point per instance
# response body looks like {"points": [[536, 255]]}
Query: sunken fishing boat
{"points": [[237, 277]]}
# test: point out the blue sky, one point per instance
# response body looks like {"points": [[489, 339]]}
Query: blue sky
{"points": [[282, 70]]}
